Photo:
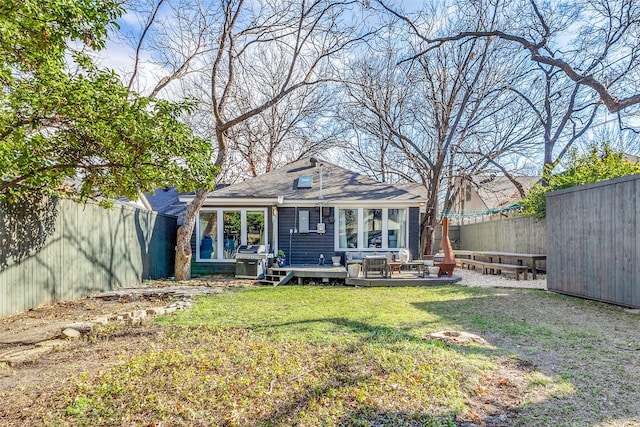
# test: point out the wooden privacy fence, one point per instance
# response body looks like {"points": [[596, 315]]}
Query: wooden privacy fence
{"points": [[592, 241], [60, 250], [521, 234]]}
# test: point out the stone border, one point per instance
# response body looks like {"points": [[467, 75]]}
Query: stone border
{"points": [[73, 331]]}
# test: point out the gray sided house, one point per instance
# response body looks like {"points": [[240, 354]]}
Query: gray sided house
{"points": [[305, 209]]}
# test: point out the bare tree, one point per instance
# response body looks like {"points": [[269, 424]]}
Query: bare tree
{"points": [[561, 109], [294, 128], [218, 52], [444, 116], [602, 33], [171, 43]]}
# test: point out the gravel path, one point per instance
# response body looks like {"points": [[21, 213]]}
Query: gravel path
{"points": [[473, 278]]}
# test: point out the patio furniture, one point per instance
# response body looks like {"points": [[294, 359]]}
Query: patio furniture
{"points": [[375, 263], [357, 257], [418, 265], [394, 266], [492, 266], [513, 259]]}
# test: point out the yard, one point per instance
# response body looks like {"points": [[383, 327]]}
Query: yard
{"points": [[314, 356]]}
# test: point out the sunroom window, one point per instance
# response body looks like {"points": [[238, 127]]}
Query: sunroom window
{"points": [[373, 228], [208, 232], [397, 228], [221, 231], [232, 236], [368, 228], [255, 228], [348, 228]]}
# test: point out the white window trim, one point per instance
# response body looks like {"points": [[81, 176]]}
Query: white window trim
{"points": [[220, 230], [385, 230]]}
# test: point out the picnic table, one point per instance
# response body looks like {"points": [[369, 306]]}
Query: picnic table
{"points": [[530, 260]]}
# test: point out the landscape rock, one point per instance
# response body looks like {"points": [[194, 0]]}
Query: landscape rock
{"points": [[156, 311], [70, 333], [18, 357], [83, 327], [53, 344], [458, 337], [139, 314], [136, 294], [101, 320]]}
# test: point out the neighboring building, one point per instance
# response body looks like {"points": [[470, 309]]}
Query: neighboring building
{"points": [[485, 196], [307, 208], [165, 201]]}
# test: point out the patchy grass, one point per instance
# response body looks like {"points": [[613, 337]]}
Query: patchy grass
{"points": [[329, 356], [233, 377]]}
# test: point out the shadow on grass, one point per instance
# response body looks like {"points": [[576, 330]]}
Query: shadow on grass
{"points": [[534, 335], [364, 331], [361, 412], [570, 375], [553, 338], [367, 413]]}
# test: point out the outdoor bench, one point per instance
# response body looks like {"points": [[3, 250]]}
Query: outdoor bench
{"points": [[494, 266]]}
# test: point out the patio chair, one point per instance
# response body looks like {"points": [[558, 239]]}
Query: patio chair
{"points": [[376, 263]]}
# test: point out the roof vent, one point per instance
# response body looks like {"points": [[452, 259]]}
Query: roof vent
{"points": [[313, 161]]}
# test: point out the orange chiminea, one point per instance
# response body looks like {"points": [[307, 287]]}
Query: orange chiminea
{"points": [[446, 267]]}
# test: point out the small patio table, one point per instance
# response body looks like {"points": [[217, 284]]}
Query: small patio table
{"points": [[394, 266], [419, 265]]}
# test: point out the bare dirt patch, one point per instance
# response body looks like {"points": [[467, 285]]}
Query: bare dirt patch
{"points": [[25, 330]]}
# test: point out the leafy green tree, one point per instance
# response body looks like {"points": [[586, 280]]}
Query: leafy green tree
{"points": [[599, 163], [81, 133]]}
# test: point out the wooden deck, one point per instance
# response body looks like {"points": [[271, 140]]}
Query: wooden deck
{"points": [[328, 273], [300, 272], [402, 279]]}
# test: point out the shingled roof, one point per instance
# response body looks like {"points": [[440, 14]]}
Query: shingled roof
{"points": [[338, 184], [166, 201], [499, 192]]}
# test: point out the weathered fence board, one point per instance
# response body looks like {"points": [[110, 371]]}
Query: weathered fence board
{"points": [[523, 234], [592, 241], [86, 249]]}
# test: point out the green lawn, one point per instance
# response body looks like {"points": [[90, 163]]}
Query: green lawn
{"points": [[315, 356]]}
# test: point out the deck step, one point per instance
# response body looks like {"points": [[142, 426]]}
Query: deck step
{"points": [[275, 277]]}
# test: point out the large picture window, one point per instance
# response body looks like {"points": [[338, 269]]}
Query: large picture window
{"points": [[208, 232], [367, 228], [348, 228], [232, 233], [397, 228], [221, 231], [255, 228], [373, 228]]}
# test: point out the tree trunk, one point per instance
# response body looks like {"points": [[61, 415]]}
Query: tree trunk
{"points": [[427, 228], [182, 265]]}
